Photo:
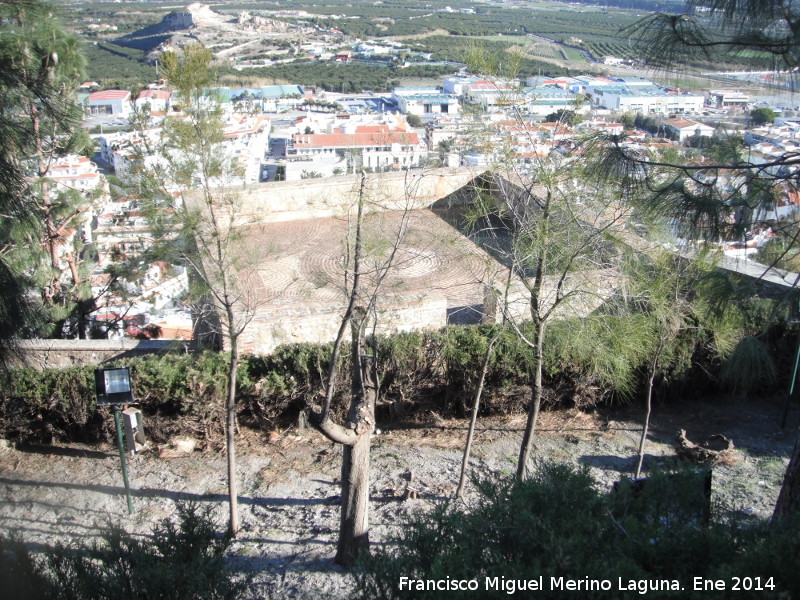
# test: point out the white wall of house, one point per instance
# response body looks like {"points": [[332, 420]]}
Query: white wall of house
{"points": [[154, 104], [113, 107]]}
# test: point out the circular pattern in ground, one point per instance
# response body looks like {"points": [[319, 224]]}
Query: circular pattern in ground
{"points": [[415, 262], [279, 276]]}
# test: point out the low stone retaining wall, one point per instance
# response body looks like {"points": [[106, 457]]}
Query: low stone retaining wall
{"points": [[47, 354]]}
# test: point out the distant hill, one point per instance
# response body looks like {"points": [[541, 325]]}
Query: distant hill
{"points": [[224, 34], [153, 37], [175, 29]]}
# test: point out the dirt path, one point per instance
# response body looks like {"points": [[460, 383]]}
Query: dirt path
{"points": [[289, 487]]}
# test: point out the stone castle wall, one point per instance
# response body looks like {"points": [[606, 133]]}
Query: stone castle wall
{"points": [[329, 197], [305, 324]]}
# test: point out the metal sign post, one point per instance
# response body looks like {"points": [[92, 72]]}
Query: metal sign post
{"points": [[113, 387], [122, 459]]}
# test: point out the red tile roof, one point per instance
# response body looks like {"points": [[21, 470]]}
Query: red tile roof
{"points": [[110, 95], [158, 94], [372, 129], [682, 123]]}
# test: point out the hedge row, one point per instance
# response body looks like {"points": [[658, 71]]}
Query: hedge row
{"points": [[184, 393], [420, 372]]}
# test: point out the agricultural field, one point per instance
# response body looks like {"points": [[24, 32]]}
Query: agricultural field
{"points": [[554, 37]]}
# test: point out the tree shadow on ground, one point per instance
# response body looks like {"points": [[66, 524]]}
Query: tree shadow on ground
{"points": [[63, 451], [145, 492], [621, 464]]}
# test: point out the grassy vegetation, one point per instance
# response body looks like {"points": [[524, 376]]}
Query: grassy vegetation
{"points": [[505, 39], [552, 525], [405, 18], [573, 55], [346, 78], [419, 371], [183, 561], [116, 67], [457, 49], [127, 18], [544, 50], [497, 26]]}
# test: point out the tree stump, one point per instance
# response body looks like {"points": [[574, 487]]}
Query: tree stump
{"points": [[715, 449]]}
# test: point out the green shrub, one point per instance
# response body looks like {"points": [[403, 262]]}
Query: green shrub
{"points": [[750, 367], [585, 362], [49, 405], [179, 562], [558, 525]]}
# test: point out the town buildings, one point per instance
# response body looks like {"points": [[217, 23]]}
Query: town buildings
{"points": [[287, 133]]}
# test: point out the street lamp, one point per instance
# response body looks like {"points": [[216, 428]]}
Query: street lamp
{"points": [[113, 387]]}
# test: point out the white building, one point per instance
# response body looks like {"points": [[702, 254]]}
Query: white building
{"points": [[784, 137], [245, 141], [491, 95], [425, 102], [156, 100], [727, 99], [74, 172], [109, 102], [376, 147], [686, 128], [549, 82], [644, 98], [457, 84], [544, 101]]}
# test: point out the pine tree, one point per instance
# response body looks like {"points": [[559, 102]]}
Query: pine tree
{"points": [[766, 34], [39, 123]]}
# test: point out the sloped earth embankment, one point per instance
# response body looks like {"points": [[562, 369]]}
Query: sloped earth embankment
{"points": [[289, 481]]}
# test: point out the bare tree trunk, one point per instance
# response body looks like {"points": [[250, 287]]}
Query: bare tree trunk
{"points": [[356, 433], [230, 444], [537, 343], [354, 520], [648, 410], [789, 497], [475, 405], [535, 405]]}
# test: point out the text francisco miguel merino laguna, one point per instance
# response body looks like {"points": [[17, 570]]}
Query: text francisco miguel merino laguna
{"points": [[512, 586]]}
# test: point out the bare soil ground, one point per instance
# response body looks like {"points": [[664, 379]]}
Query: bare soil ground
{"points": [[289, 481]]}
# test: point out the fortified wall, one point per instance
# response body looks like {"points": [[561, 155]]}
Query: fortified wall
{"points": [[330, 197], [298, 231], [439, 276]]}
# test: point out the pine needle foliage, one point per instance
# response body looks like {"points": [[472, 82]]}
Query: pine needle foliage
{"points": [[750, 367], [184, 560], [552, 525]]}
